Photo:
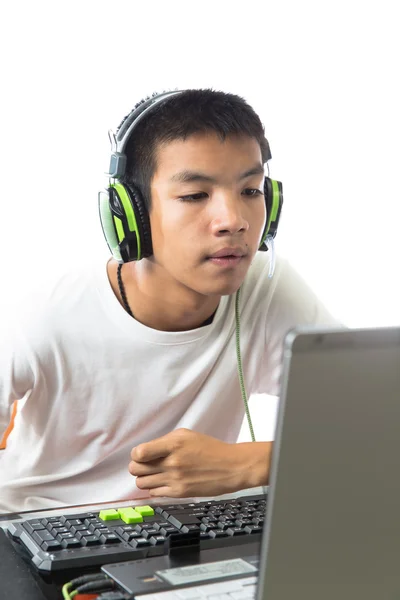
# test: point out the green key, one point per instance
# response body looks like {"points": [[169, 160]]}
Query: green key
{"points": [[145, 511], [128, 515], [109, 514]]}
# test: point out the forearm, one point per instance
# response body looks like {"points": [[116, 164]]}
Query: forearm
{"points": [[253, 464]]}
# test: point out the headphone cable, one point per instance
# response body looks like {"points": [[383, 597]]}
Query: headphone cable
{"points": [[239, 366]]}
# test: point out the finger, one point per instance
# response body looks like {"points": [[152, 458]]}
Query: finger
{"points": [[140, 469], [149, 482], [158, 448], [162, 491]]}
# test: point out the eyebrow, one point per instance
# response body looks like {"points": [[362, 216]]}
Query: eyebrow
{"points": [[187, 176]]}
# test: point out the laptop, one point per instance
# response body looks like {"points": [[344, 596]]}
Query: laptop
{"points": [[332, 529]]}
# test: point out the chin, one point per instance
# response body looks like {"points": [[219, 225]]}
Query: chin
{"points": [[221, 289]]}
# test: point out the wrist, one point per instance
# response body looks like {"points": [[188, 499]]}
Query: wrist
{"points": [[253, 464]]}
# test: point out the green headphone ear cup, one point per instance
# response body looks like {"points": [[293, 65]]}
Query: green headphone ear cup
{"points": [[129, 235], [273, 204], [107, 224]]}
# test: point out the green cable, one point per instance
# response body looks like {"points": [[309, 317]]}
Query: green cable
{"points": [[80, 582], [239, 366], [65, 591]]}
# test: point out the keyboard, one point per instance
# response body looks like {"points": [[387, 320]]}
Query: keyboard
{"points": [[93, 539]]}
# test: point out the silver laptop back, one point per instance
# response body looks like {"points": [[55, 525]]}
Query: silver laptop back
{"points": [[333, 518]]}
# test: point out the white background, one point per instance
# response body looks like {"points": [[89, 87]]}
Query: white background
{"points": [[323, 76]]}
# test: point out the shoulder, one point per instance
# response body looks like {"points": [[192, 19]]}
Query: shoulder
{"points": [[49, 306]]}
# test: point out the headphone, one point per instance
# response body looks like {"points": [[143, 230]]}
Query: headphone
{"points": [[123, 214]]}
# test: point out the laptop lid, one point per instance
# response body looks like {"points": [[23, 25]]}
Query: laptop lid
{"points": [[333, 518]]}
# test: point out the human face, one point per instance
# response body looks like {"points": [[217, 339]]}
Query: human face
{"points": [[208, 211]]}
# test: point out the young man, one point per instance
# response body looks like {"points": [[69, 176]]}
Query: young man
{"points": [[126, 381]]}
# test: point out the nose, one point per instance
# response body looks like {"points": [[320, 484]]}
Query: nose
{"points": [[227, 215]]}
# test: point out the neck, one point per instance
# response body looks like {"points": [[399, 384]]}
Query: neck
{"points": [[158, 301]]}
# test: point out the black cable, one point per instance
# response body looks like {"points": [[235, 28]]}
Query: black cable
{"points": [[96, 586], [87, 579], [122, 291]]}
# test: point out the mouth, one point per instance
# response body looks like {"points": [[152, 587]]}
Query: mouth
{"points": [[227, 257], [225, 261]]}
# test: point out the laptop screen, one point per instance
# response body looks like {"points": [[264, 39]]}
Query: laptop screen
{"points": [[333, 523]]}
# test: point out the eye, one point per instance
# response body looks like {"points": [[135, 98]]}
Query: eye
{"points": [[252, 192], [193, 197]]}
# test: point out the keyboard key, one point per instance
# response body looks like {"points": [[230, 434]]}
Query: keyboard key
{"points": [[72, 542], [253, 529], [109, 514], [145, 511], [50, 520], [235, 531], [100, 531], [124, 529], [109, 538], [31, 527], [144, 526], [51, 546], [130, 535], [83, 533], [139, 542], [50, 524], [70, 522], [93, 521], [59, 530], [183, 519], [157, 540], [129, 515], [161, 524], [42, 536], [64, 536], [147, 533], [245, 520], [225, 524], [168, 530], [90, 540], [217, 533], [187, 528]]}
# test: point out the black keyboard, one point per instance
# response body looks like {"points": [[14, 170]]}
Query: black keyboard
{"points": [[93, 539]]}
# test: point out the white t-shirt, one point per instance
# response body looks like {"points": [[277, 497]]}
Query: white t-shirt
{"points": [[92, 382]]}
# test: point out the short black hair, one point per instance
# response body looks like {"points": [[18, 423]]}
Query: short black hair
{"points": [[180, 116]]}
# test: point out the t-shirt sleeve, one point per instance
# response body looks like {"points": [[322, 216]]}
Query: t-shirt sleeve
{"points": [[16, 374], [292, 303]]}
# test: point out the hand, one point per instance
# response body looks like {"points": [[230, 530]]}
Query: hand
{"points": [[186, 463]]}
